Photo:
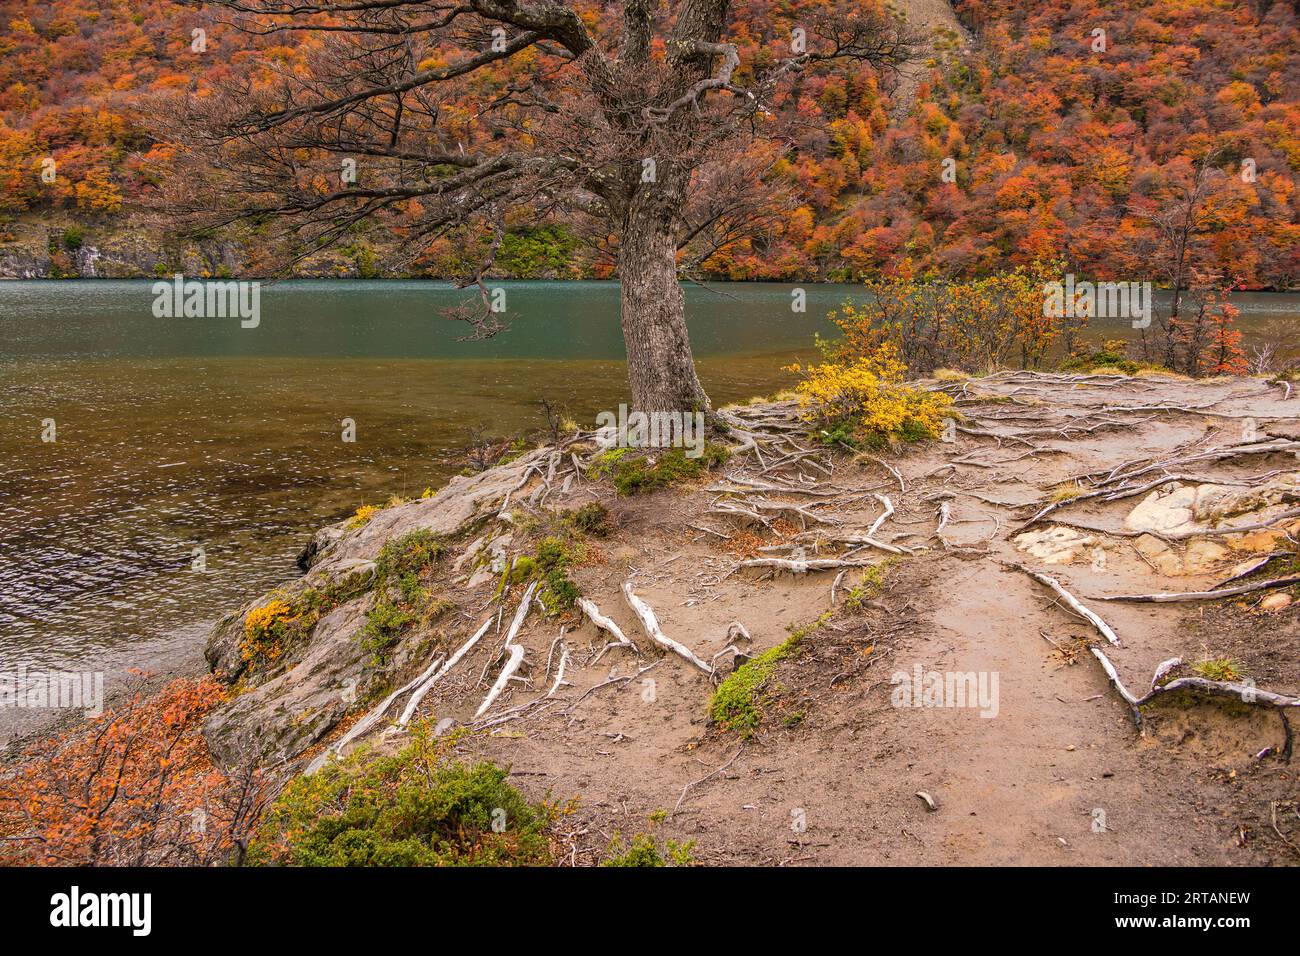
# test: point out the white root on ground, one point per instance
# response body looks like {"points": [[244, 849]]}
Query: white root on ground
{"points": [[515, 658], [625, 679], [650, 623], [945, 515], [1245, 693], [514, 651], [859, 541], [1102, 627], [525, 708], [372, 718], [735, 631], [889, 510], [605, 624], [902, 485], [806, 564], [1167, 597], [424, 688]]}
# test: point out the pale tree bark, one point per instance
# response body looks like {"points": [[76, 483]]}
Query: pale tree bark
{"points": [[660, 365]]}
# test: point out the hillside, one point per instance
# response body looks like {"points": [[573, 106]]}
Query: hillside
{"points": [[1063, 142]]}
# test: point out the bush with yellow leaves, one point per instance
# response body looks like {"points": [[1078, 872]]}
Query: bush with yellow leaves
{"points": [[268, 632], [865, 403]]}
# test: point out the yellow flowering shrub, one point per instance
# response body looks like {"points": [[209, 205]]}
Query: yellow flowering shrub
{"points": [[865, 402], [974, 325], [266, 632], [363, 516]]}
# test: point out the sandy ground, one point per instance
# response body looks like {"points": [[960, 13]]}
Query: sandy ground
{"points": [[1059, 775]]}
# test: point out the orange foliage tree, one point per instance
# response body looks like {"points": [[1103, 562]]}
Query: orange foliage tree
{"points": [[134, 786]]}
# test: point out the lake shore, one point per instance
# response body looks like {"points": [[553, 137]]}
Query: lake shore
{"points": [[842, 572]]}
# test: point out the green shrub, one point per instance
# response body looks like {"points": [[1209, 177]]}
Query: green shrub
{"points": [[592, 519], [384, 624], [410, 553], [643, 851], [411, 809]]}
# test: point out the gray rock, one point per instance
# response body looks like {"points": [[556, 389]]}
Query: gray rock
{"points": [[291, 709], [285, 715]]}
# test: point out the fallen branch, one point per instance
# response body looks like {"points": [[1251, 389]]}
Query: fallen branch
{"points": [[605, 683], [708, 776], [650, 623]]}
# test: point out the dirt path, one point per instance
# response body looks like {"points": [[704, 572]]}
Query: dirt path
{"points": [[1058, 775], [1041, 764]]}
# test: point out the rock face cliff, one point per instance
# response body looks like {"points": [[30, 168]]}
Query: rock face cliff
{"points": [[54, 253], [328, 672]]}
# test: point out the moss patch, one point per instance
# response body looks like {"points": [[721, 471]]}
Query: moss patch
{"points": [[635, 471], [738, 702]]}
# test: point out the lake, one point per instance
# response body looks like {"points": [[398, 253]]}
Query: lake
{"points": [[177, 434]]}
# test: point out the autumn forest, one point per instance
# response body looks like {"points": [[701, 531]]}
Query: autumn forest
{"points": [[1057, 131]]}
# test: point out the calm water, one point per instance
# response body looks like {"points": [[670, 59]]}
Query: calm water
{"points": [[174, 434]]}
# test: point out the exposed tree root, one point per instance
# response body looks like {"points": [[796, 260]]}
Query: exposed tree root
{"points": [[1172, 596], [650, 623], [1102, 627], [514, 652], [603, 623], [1246, 693], [798, 566], [424, 688]]}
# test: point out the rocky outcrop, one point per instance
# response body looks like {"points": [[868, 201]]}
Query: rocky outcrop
{"points": [[121, 257], [279, 719], [279, 714], [1198, 515], [1056, 545]]}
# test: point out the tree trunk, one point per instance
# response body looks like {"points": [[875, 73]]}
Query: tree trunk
{"points": [[660, 368]]}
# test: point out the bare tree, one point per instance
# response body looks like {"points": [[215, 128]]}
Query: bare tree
{"points": [[457, 114], [1177, 222]]}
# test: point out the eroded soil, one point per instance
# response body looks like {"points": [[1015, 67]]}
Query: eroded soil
{"points": [[1054, 772]]}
